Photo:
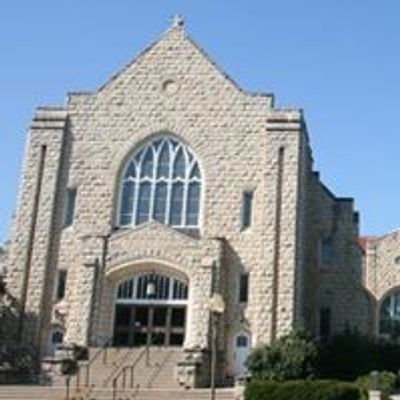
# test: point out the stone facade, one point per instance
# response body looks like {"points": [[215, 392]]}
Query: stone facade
{"points": [[243, 144], [3, 255], [381, 276]]}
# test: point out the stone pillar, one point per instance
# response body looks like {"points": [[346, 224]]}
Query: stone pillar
{"points": [[200, 290], [194, 369], [83, 314], [32, 256], [282, 206]]}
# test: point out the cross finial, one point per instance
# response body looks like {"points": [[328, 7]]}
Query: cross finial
{"points": [[177, 21]]}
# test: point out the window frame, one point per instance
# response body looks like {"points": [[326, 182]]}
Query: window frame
{"points": [[71, 194], [323, 262], [242, 276], [393, 298], [169, 289], [193, 176], [60, 272], [247, 221]]}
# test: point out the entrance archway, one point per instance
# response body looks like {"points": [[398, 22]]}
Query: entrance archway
{"points": [[150, 309]]}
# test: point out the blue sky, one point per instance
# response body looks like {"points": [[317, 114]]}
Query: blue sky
{"points": [[338, 60]]}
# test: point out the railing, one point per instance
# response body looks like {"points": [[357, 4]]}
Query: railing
{"points": [[123, 375], [126, 358], [159, 367], [104, 351]]}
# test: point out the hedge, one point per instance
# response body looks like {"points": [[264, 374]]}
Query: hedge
{"points": [[301, 390], [387, 383]]}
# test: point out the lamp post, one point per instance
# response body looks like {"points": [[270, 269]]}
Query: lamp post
{"points": [[150, 294], [216, 305]]}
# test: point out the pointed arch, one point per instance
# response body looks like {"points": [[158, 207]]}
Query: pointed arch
{"points": [[160, 181]]}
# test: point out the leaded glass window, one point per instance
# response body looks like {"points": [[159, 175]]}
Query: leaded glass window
{"points": [[162, 182], [389, 316], [165, 288]]}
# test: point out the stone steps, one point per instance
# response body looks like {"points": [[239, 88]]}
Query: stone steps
{"points": [[158, 374], [58, 393]]}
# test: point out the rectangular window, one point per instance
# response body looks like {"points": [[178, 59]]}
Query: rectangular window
{"points": [[327, 255], [243, 288], [324, 323], [61, 281], [70, 198], [247, 209]]}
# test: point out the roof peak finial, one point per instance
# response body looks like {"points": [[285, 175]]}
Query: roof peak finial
{"points": [[177, 21]]}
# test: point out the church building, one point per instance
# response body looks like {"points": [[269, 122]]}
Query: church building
{"points": [[170, 194]]}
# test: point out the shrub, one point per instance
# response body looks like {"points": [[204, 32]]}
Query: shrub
{"points": [[301, 390], [290, 357], [387, 383], [387, 356], [347, 356]]}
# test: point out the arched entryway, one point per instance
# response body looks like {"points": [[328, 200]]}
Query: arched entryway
{"points": [[150, 308]]}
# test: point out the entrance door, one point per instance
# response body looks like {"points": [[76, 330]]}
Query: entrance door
{"points": [[241, 350], [155, 325]]}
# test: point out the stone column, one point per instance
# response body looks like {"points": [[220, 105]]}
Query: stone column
{"points": [[193, 370], [33, 248], [83, 315], [200, 290]]}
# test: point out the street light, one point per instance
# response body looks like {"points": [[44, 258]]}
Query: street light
{"points": [[216, 305]]}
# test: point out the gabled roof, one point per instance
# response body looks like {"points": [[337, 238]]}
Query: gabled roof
{"points": [[177, 33]]}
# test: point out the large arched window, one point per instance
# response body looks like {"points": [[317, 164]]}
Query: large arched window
{"points": [[161, 182], [162, 289], [389, 315]]}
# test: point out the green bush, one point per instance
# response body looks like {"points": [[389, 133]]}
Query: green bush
{"points": [[349, 355], [387, 383], [345, 357], [387, 356], [290, 357], [301, 390]]}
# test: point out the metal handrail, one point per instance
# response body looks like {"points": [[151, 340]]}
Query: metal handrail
{"points": [[122, 373], [103, 350]]}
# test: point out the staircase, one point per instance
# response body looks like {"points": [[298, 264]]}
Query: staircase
{"points": [[124, 374], [127, 367], [122, 369], [156, 372], [59, 393]]}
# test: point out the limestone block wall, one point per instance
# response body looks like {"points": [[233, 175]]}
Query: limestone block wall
{"points": [[33, 246], [382, 268], [339, 285], [226, 130], [381, 265], [242, 143], [3, 255]]}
